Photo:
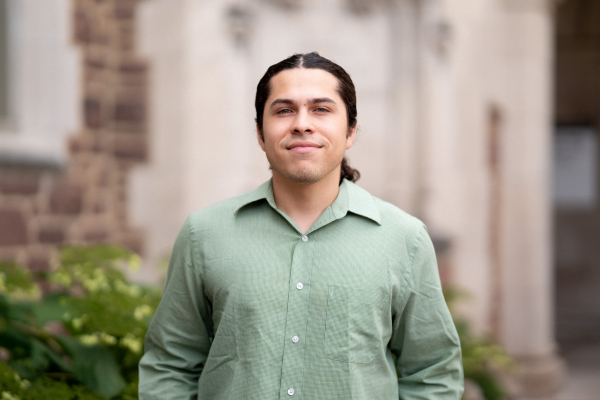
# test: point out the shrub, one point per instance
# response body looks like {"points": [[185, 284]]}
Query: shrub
{"points": [[483, 359], [85, 339]]}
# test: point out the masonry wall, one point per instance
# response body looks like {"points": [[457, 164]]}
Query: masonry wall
{"points": [[84, 202]]}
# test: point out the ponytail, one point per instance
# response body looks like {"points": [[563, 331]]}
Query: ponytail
{"points": [[348, 172]]}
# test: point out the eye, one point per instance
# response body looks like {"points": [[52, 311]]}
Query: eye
{"points": [[321, 109], [284, 111]]}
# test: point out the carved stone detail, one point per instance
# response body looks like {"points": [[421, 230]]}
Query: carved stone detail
{"points": [[364, 7], [239, 17], [286, 4]]}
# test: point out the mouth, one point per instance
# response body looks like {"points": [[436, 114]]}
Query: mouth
{"points": [[303, 147]]}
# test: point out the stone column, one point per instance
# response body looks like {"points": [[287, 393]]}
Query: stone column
{"points": [[401, 179], [525, 87], [201, 127]]}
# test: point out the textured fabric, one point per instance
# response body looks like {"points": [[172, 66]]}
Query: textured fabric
{"points": [[232, 306]]}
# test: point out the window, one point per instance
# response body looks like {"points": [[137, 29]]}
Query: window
{"points": [[39, 81], [575, 167], [4, 66]]}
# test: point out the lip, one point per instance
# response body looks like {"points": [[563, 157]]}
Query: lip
{"points": [[303, 147]]}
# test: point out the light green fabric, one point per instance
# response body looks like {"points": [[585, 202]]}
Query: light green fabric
{"points": [[233, 322]]}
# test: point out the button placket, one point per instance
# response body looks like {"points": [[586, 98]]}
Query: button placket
{"points": [[292, 372]]}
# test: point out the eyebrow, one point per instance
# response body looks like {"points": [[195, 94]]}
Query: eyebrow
{"points": [[311, 101]]}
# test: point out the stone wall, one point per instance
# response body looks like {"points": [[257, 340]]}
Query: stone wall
{"points": [[85, 201]]}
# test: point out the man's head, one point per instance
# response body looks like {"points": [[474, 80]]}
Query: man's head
{"points": [[306, 118]]}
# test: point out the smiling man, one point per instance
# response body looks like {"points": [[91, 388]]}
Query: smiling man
{"points": [[308, 287]]}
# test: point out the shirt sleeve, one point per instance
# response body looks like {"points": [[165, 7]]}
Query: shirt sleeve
{"points": [[424, 338], [178, 339]]}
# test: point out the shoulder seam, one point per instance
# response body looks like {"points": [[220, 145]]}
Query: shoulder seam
{"points": [[412, 257], [193, 244]]}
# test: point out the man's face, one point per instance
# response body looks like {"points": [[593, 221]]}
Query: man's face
{"points": [[305, 127]]}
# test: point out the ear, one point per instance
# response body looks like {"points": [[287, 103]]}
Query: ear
{"points": [[259, 136], [351, 136]]}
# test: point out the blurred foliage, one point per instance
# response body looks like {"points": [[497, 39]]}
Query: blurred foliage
{"points": [[483, 360], [83, 340]]}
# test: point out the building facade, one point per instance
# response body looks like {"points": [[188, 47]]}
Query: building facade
{"points": [[456, 110]]}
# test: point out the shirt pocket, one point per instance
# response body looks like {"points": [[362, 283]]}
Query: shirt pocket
{"points": [[353, 326]]}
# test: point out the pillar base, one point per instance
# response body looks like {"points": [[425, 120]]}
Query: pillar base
{"points": [[540, 376]]}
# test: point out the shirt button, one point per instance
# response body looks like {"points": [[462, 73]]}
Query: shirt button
{"points": [[299, 286], [305, 238], [295, 339], [291, 391]]}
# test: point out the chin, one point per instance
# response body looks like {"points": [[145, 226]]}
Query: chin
{"points": [[303, 177]]}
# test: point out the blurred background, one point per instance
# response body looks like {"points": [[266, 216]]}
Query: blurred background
{"points": [[120, 117]]}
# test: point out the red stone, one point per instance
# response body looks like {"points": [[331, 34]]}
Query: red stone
{"points": [[82, 27], [130, 111], [38, 264], [124, 10], [95, 235], [51, 236], [93, 113], [19, 182], [131, 146], [133, 67], [13, 231], [66, 198]]}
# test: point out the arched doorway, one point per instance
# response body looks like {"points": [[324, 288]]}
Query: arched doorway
{"points": [[577, 183]]}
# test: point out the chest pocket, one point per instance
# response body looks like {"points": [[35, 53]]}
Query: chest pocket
{"points": [[354, 324]]}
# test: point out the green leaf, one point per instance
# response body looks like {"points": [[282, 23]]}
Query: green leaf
{"points": [[16, 342], [14, 311], [51, 308], [48, 353], [16, 276], [95, 367]]}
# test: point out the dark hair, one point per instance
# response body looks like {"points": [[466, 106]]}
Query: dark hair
{"points": [[311, 60]]}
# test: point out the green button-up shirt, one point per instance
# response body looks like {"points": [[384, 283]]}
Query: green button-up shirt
{"points": [[254, 309]]}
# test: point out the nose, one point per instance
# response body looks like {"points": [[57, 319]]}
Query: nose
{"points": [[302, 123]]}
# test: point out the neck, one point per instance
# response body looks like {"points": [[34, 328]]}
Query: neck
{"points": [[305, 203]]}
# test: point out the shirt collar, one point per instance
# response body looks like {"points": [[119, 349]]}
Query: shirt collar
{"points": [[351, 197]]}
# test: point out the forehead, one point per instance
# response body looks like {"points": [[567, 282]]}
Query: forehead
{"points": [[304, 83]]}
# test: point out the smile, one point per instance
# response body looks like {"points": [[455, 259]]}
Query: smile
{"points": [[304, 147]]}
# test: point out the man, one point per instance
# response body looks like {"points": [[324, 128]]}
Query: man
{"points": [[307, 287]]}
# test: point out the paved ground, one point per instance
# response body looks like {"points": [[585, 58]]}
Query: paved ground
{"points": [[583, 375]]}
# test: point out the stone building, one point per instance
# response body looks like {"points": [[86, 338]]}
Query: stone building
{"points": [[120, 117], [72, 125]]}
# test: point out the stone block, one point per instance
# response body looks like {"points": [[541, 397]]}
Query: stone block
{"points": [[81, 27], [131, 146], [38, 263], [133, 66], [66, 198], [133, 241], [541, 376], [50, 235], [95, 234], [13, 229], [19, 182], [124, 9], [93, 112], [82, 143], [130, 111]]}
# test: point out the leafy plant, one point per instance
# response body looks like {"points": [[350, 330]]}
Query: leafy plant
{"points": [[86, 335], [482, 358]]}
